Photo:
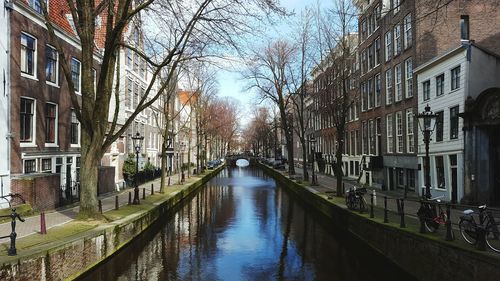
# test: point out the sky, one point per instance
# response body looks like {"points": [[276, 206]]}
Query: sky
{"points": [[230, 81]]}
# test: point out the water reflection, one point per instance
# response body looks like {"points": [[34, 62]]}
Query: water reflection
{"points": [[241, 226]]}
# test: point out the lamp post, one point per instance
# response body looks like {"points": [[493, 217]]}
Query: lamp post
{"points": [[427, 122], [312, 140], [170, 153], [137, 141]]}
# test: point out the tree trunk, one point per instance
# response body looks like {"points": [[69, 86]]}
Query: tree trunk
{"points": [[90, 162], [339, 174], [304, 159]]}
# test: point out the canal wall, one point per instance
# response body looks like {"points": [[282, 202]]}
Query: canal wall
{"points": [[420, 255], [63, 260]]}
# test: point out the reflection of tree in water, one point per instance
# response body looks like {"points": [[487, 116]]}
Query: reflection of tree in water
{"points": [[292, 243]]}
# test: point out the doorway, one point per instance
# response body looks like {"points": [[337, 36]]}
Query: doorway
{"points": [[495, 166], [454, 178]]}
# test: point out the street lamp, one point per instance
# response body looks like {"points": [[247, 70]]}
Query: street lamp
{"points": [[427, 122], [312, 140], [137, 141]]}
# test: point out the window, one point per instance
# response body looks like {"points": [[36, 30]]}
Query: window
{"points": [[399, 131], [371, 99], [363, 29], [46, 165], [75, 74], [439, 125], [59, 162], [29, 166], [36, 5], [399, 87], [136, 62], [440, 172], [455, 78], [407, 31], [388, 46], [378, 90], [390, 141], [454, 122], [363, 61], [26, 119], [75, 129], [409, 131], [50, 122], [388, 86], [128, 61], [358, 143], [371, 57], [135, 101], [364, 126], [364, 97], [397, 39], [28, 54], [51, 65], [400, 174], [397, 6], [377, 51], [410, 179], [440, 85], [371, 128], [464, 27], [129, 93], [77, 168], [426, 89], [409, 78]]}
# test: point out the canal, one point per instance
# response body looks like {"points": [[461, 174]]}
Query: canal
{"points": [[242, 225]]}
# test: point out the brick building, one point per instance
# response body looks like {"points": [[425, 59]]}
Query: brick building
{"points": [[45, 134]]}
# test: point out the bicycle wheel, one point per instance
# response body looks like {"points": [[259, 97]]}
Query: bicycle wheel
{"points": [[362, 204], [493, 236], [431, 225], [349, 202], [468, 230]]}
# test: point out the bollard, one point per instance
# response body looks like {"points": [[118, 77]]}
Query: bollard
{"points": [[449, 231], [117, 205], [372, 214], [130, 198], [99, 204], [143, 193], [43, 225], [386, 219], [421, 218], [152, 189], [168, 181], [481, 238], [402, 224]]}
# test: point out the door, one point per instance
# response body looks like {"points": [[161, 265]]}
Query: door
{"points": [[391, 179], [454, 178], [496, 167]]}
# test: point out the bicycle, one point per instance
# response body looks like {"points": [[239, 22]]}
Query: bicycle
{"points": [[468, 228], [355, 200], [431, 216]]}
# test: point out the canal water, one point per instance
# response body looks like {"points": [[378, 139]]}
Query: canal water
{"points": [[244, 226]]}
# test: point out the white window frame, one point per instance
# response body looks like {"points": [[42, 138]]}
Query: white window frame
{"points": [[397, 6], [409, 78], [78, 143], [23, 55], [410, 148], [56, 83], [31, 143], [454, 84], [398, 87], [426, 95], [56, 128], [399, 132], [407, 33], [378, 89], [389, 129], [30, 159], [388, 45], [77, 91], [388, 87], [397, 39]]}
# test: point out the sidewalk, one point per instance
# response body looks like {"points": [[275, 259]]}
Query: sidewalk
{"points": [[62, 216], [327, 184]]}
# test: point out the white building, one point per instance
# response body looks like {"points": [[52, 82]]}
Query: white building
{"points": [[445, 83], [5, 136]]}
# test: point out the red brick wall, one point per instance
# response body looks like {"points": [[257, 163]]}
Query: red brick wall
{"points": [[41, 191]]}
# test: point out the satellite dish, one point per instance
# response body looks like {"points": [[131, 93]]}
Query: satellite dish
{"points": [[242, 163]]}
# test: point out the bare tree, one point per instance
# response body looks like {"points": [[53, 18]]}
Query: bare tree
{"points": [[190, 28], [269, 74], [337, 42]]}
